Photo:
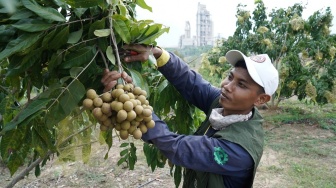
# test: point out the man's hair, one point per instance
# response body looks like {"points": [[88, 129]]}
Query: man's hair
{"points": [[242, 64]]}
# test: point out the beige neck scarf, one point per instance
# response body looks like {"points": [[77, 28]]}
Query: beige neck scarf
{"points": [[220, 122]]}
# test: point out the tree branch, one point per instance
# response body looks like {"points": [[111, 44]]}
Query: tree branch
{"points": [[27, 170]]}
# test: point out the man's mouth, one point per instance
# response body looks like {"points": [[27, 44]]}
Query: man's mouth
{"points": [[224, 96]]}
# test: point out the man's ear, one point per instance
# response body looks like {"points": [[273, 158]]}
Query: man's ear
{"points": [[262, 99]]}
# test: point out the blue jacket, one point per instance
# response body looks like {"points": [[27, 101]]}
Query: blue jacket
{"points": [[195, 151]]}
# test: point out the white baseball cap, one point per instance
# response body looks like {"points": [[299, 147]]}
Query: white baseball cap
{"points": [[260, 68]]}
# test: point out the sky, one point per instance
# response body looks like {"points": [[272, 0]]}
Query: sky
{"points": [[175, 13]]}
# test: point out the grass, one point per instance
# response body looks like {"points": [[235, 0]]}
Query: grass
{"points": [[305, 137]]}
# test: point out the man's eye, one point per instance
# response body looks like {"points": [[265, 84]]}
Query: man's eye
{"points": [[241, 85]]}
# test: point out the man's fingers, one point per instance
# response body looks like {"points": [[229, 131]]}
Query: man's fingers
{"points": [[110, 85]]}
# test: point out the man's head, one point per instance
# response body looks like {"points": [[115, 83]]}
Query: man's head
{"points": [[252, 82], [259, 67]]}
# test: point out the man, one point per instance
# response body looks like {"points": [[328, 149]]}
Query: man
{"points": [[226, 149]]}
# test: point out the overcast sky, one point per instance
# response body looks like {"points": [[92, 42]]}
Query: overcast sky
{"points": [[175, 13]]}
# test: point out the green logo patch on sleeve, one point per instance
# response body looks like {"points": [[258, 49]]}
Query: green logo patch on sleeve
{"points": [[220, 156]]}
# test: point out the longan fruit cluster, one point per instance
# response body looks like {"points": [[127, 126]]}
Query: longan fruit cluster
{"points": [[124, 109]]}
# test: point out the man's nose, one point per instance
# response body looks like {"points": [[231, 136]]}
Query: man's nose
{"points": [[229, 86]]}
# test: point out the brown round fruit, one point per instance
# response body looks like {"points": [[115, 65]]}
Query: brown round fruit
{"points": [[121, 116], [91, 94], [137, 90], [88, 104], [125, 125], [142, 99], [97, 113], [138, 109], [123, 98], [150, 124], [128, 106], [97, 102], [106, 108], [107, 97], [131, 129], [146, 112], [123, 134], [137, 134], [119, 106], [143, 128], [118, 92], [131, 115]]}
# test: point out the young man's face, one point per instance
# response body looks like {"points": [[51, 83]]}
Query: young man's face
{"points": [[239, 92]]}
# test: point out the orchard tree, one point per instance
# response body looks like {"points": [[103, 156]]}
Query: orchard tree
{"points": [[303, 51], [52, 56]]}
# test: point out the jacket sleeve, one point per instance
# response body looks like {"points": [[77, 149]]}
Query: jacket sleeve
{"points": [[189, 83], [200, 153]]}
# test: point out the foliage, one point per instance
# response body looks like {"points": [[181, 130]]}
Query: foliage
{"points": [[51, 52], [303, 51]]}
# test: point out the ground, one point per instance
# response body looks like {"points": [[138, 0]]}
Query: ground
{"points": [[272, 172]]}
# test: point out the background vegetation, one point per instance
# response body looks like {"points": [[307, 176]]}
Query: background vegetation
{"points": [[51, 52]]}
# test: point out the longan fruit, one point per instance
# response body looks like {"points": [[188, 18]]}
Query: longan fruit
{"points": [[108, 122], [117, 126], [123, 98], [137, 134], [103, 128], [123, 134], [134, 102], [131, 95], [107, 97], [97, 102], [128, 106], [106, 108], [137, 90], [131, 115], [144, 93], [97, 113], [143, 128], [150, 124], [103, 117], [146, 112], [135, 123], [138, 109], [142, 99], [121, 116], [131, 129], [125, 125], [118, 92], [88, 103], [147, 119], [91, 94], [118, 106], [120, 86], [127, 87]]}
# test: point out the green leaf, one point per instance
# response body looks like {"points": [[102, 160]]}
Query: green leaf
{"points": [[59, 39], [177, 175], [99, 24], [74, 71], [102, 32], [78, 58], [142, 4], [120, 161], [110, 55], [44, 12], [151, 38], [138, 80], [19, 44], [75, 36], [32, 107], [85, 3], [37, 170], [21, 14], [123, 9], [122, 30], [124, 152], [71, 97], [32, 25], [125, 144]]}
